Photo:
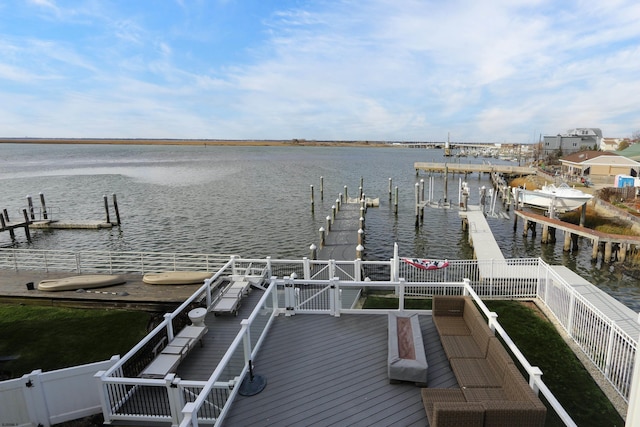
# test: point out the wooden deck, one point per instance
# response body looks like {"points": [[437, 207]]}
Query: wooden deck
{"points": [[324, 370]]}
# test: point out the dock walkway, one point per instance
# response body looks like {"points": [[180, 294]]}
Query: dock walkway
{"points": [[342, 240], [470, 168], [133, 294]]}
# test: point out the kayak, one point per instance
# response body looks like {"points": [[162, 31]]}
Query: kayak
{"points": [[80, 282], [176, 277]]}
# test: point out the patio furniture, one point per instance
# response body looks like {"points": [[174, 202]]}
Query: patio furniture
{"points": [[174, 352], [492, 390]]}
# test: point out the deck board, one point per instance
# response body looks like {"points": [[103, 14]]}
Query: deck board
{"points": [[323, 370]]}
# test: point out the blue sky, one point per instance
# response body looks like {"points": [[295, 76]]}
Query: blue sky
{"points": [[493, 71]]}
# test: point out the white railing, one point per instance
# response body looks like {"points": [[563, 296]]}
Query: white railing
{"points": [[108, 262], [610, 349], [319, 287], [46, 398]]}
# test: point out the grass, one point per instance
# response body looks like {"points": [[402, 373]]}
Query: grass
{"points": [[51, 338], [598, 223], [541, 344]]}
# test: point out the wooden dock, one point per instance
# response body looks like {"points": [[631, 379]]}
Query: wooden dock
{"points": [[134, 294], [341, 236], [470, 168], [607, 242]]}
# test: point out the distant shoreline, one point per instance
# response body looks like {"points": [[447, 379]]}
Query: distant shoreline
{"points": [[204, 142]]}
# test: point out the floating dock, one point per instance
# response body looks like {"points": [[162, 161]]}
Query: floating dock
{"points": [[470, 168]]}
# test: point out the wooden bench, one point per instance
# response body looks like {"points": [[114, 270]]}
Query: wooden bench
{"points": [[174, 352], [407, 360]]}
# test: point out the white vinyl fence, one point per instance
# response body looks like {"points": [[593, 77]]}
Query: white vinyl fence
{"points": [[46, 398]]}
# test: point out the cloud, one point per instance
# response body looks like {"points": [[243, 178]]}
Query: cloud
{"points": [[492, 71]]}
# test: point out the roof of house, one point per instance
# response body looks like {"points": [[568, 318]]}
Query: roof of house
{"points": [[632, 152], [598, 157]]}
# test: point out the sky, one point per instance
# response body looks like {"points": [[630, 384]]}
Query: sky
{"points": [[504, 71]]}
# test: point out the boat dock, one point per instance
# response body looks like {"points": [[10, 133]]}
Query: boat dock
{"points": [[343, 237], [45, 221], [608, 244], [134, 294], [470, 168]]}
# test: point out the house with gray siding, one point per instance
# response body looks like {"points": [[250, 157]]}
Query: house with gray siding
{"points": [[573, 140]]}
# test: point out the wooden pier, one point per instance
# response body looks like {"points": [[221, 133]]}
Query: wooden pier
{"points": [[46, 221], [21, 287], [342, 237], [470, 168], [608, 244]]}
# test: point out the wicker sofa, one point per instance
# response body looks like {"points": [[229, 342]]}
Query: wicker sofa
{"points": [[492, 390]]}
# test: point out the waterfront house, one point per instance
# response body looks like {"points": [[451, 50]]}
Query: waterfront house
{"points": [[598, 166], [573, 140]]}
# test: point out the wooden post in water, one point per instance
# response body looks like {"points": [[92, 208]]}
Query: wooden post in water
{"points": [[417, 201], [446, 173], [390, 192], [30, 204], [44, 207], [312, 201], [545, 233], [594, 250], [346, 194], [359, 251], [567, 241], [583, 215], [115, 207], [321, 188], [6, 219], [360, 236], [313, 251], [328, 223], [395, 203], [322, 236], [106, 208], [27, 233], [421, 201], [607, 252], [622, 252]]}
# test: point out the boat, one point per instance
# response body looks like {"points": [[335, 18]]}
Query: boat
{"points": [[86, 281], [566, 198], [176, 277]]}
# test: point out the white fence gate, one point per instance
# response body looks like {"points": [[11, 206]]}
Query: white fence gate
{"points": [[46, 398]]}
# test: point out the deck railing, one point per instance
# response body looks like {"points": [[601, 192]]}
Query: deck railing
{"points": [[320, 286], [108, 262]]}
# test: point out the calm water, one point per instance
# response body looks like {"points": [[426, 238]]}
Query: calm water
{"points": [[254, 201]]}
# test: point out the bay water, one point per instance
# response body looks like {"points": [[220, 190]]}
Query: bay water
{"points": [[255, 201]]}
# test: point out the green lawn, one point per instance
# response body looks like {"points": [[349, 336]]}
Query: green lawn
{"points": [[50, 338], [541, 344]]}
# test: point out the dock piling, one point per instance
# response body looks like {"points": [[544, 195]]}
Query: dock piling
{"points": [[312, 201], [395, 203], [321, 188], [30, 204], [390, 189], [115, 207], [27, 233], [106, 208], [44, 207]]}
